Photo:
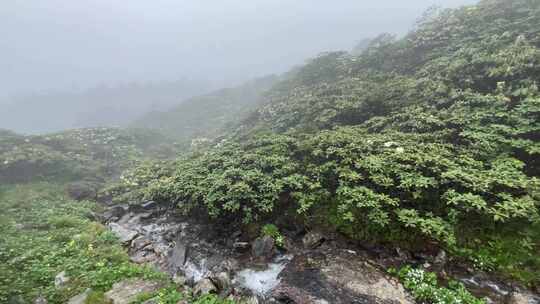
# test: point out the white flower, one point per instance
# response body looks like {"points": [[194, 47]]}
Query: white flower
{"points": [[6, 162], [400, 150]]}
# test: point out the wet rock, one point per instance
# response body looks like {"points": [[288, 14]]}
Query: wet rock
{"points": [[116, 211], [142, 257], [204, 286], [440, 260], [263, 248], [222, 281], [149, 205], [337, 276], [126, 291], [125, 235], [61, 279], [140, 243], [313, 239], [241, 246], [517, 297], [179, 253], [80, 298]]}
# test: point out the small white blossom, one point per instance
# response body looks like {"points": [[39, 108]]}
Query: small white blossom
{"points": [[400, 150]]}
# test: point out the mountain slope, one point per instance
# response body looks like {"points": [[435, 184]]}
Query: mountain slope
{"points": [[208, 115], [426, 141]]}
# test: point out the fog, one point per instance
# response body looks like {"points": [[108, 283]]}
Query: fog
{"points": [[72, 46]]}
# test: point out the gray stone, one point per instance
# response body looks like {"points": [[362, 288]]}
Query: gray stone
{"points": [[338, 277], [241, 246], [517, 297], [222, 281], [203, 287], [140, 242], [149, 205], [263, 248], [80, 298], [440, 260], [313, 239], [61, 279], [179, 253], [125, 235], [126, 291], [40, 300]]}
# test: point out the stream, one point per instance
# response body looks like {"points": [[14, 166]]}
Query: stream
{"points": [[192, 252]]}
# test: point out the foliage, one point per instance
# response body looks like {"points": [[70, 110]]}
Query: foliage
{"points": [[432, 138], [85, 153], [43, 234], [272, 231], [424, 287]]}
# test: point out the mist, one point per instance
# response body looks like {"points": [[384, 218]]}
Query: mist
{"points": [[75, 46]]}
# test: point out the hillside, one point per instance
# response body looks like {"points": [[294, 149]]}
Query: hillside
{"points": [[208, 115], [428, 141], [94, 153]]}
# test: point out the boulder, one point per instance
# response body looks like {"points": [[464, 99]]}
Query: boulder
{"points": [[80, 298], [203, 287], [61, 279], [126, 291], [125, 235], [222, 281], [179, 253], [241, 246], [149, 205], [116, 211], [517, 297], [263, 248], [313, 239], [337, 276], [140, 243]]}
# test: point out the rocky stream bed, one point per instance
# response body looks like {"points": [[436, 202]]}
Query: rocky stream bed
{"points": [[314, 268]]}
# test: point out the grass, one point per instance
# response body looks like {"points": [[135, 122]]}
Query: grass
{"points": [[45, 233]]}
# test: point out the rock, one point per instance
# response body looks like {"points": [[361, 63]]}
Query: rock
{"points": [[440, 260], [82, 190], [517, 297], [222, 281], [149, 205], [263, 248], [80, 298], [241, 246], [140, 242], [179, 253], [313, 239], [115, 211], [124, 234], [61, 280], [40, 300], [142, 257], [151, 301], [126, 291], [203, 287], [339, 277], [179, 280]]}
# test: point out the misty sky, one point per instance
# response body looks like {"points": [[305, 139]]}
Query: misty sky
{"points": [[62, 44]]}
